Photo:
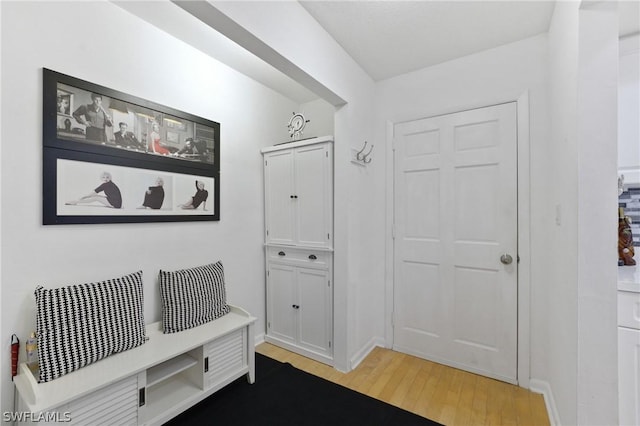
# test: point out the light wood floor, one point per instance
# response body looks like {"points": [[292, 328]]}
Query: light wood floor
{"points": [[444, 394]]}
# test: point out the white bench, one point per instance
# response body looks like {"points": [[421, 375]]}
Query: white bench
{"points": [[149, 384]]}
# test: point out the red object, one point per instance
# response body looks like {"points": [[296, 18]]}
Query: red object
{"points": [[159, 149], [15, 348]]}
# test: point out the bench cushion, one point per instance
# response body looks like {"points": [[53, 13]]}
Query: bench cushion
{"points": [[81, 324], [192, 297]]}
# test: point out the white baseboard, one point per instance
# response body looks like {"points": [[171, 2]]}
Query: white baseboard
{"points": [[540, 386], [258, 339], [364, 351]]}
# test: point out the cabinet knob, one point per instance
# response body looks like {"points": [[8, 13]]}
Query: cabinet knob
{"points": [[293, 196], [313, 257], [281, 253], [295, 306]]}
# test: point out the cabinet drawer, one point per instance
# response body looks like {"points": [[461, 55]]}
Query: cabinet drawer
{"points": [[296, 256], [629, 309]]}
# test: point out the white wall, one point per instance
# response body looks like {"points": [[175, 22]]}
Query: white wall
{"points": [[571, 346], [2, 346], [320, 115], [129, 56], [597, 130], [102, 43], [486, 78], [562, 277], [582, 276], [289, 31]]}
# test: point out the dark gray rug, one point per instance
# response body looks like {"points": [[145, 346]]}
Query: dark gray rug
{"points": [[284, 395]]}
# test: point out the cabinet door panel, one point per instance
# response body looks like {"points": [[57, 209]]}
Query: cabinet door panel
{"points": [[629, 375], [279, 204], [281, 285], [114, 404], [226, 355], [312, 176], [314, 295]]}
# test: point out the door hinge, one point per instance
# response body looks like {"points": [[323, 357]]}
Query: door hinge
{"points": [[267, 232], [329, 283], [268, 325], [265, 162], [328, 236], [329, 343]]}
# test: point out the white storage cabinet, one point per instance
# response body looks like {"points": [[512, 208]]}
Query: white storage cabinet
{"points": [[629, 357], [299, 246], [299, 193], [299, 301], [149, 384]]}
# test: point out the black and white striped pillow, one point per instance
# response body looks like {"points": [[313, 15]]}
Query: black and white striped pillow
{"points": [[81, 324], [192, 297]]}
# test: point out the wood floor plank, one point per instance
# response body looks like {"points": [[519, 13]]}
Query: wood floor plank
{"points": [[412, 397], [465, 402], [538, 410], [397, 376], [509, 416], [479, 402], [444, 394], [398, 396], [433, 394], [386, 376], [523, 405], [452, 397], [376, 375]]}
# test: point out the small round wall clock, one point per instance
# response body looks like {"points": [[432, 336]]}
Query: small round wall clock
{"points": [[296, 125]]}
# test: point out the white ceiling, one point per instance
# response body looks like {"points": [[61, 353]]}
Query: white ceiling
{"points": [[387, 38]]}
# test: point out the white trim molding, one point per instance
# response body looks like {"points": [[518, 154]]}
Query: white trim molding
{"points": [[524, 225], [360, 355], [258, 339], [524, 241]]}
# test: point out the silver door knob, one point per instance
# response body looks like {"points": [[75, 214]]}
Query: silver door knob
{"points": [[506, 259]]}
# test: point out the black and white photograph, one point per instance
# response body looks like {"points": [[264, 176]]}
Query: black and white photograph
{"points": [[64, 102], [98, 119], [94, 189], [200, 198], [112, 157]]}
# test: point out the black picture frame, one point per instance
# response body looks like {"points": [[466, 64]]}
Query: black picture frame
{"points": [[157, 164]]}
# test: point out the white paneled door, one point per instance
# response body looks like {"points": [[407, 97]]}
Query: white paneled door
{"points": [[455, 247]]}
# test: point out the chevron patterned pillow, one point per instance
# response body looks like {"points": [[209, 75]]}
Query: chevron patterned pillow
{"points": [[192, 297], [81, 324]]}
